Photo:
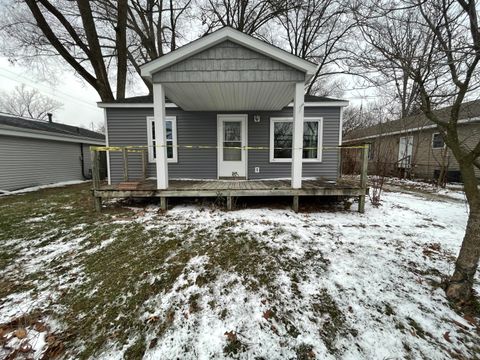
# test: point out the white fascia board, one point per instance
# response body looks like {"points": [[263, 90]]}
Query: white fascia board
{"points": [[406, 131], [171, 105], [13, 131], [339, 103], [237, 37], [107, 143], [132, 105]]}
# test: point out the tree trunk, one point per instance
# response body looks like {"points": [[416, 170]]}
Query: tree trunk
{"points": [[459, 287], [121, 43], [95, 56]]}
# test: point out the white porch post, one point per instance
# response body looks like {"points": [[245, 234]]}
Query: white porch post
{"points": [[297, 136], [160, 136]]}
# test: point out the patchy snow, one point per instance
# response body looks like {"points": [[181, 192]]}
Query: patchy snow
{"points": [[323, 284], [40, 187], [454, 191], [380, 274], [38, 218]]}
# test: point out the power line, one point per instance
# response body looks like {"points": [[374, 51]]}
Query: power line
{"points": [[14, 77]]}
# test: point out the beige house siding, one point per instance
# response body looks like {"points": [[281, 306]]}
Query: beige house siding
{"points": [[425, 159]]}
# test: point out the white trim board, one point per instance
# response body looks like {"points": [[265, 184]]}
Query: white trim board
{"points": [[219, 129], [235, 36], [339, 103], [151, 119], [340, 131], [13, 131], [107, 143], [132, 105]]}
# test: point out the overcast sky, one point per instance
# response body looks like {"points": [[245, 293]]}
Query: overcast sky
{"points": [[79, 99]]}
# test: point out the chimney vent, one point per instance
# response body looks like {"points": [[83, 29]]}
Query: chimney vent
{"points": [[49, 117]]}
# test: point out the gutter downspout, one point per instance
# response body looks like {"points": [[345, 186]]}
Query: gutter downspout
{"points": [[82, 162]]}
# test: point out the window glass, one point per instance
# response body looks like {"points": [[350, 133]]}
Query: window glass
{"points": [[232, 139], [282, 140], [437, 141], [169, 136], [310, 139]]}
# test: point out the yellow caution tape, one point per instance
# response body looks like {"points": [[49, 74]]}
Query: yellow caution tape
{"points": [[142, 148]]}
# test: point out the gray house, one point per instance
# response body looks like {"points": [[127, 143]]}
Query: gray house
{"points": [[224, 107], [37, 152]]}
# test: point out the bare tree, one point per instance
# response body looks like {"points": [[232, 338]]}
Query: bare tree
{"points": [[102, 41], [391, 77], [443, 66], [26, 102], [314, 30], [248, 16], [356, 117]]}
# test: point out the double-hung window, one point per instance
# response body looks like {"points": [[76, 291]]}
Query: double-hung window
{"points": [[171, 137], [437, 141], [281, 138]]}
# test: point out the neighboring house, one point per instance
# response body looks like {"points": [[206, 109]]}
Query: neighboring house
{"points": [[414, 147], [226, 106], [38, 152]]}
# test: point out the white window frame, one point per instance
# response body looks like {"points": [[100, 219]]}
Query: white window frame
{"points": [[433, 136], [318, 119], [173, 119]]}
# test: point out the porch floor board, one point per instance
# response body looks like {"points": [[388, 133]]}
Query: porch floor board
{"points": [[212, 188]]}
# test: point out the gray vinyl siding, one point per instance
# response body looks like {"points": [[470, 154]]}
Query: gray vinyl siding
{"points": [[87, 160], [128, 126], [259, 135], [228, 62], [26, 162]]}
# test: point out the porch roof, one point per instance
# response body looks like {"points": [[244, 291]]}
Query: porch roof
{"points": [[227, 33], [229, 71], [147, 101]]}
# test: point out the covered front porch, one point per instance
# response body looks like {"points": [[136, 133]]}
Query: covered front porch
{"points": [[239, 107], [229, 73]]}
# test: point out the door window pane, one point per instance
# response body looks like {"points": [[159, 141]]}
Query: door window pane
{"points": [[232, 131], [232, 141], [230, 154]]}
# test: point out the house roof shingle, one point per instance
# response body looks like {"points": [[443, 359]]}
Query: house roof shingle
{"points": [[468, 110], [52, 127]]}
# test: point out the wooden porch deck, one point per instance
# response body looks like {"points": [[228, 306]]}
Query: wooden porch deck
{"points": [[227, 189]]}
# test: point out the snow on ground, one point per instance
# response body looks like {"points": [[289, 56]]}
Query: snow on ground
{"points": [[201, 283], [378, 275], [40, 187], [454, 191]]}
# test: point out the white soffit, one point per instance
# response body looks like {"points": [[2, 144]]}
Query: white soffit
{"points": [[245, 96], [236, 36]]}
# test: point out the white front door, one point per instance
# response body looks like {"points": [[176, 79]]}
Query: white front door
{"points": [[232, 140]]}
